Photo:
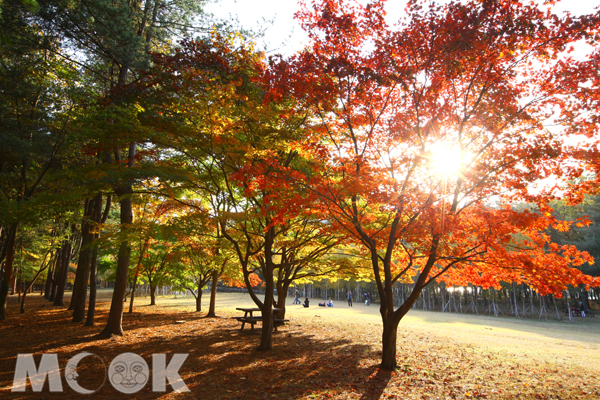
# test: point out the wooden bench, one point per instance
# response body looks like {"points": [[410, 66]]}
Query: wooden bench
{"points": [[248, 318]]}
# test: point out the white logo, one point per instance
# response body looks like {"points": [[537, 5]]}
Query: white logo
{"points": [[128, 373]]}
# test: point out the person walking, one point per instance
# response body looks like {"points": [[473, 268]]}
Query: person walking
{"points": [[297, 299], [349, 298]]}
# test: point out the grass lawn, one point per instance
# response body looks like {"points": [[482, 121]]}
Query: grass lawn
{"points": [[322, 353]]}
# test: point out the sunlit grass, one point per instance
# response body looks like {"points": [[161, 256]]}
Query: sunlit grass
{"points": [[527, 340]]}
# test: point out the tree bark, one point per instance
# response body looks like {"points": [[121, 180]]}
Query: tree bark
{"points": [[152, 295], [48, 285], [79, 296], [83, 257], [199, 299], [89, 321], [282, 289], [134, 285], [64, 273], [388, 354], [213, 294], [98, 218], [266, 337], [8, 267], [115, 317]]}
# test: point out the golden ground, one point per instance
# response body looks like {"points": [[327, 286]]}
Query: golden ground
{"points": [[322, 353]]}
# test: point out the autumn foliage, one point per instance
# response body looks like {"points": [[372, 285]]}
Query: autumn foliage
{"points": [[427, 134]]}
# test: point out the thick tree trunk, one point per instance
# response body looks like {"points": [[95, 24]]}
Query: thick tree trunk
{"points": [[213, 294], [114, 325], [388, 354], [115, 317], [8, 268]]}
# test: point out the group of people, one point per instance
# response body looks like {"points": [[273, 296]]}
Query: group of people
{"points": [[329, 302]]}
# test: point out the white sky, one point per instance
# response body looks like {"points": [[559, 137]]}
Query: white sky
{"points": [[284, 35]]}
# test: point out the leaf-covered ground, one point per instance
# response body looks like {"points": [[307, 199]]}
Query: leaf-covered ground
{"points": [[320, 354]]}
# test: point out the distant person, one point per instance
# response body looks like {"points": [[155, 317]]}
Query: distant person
{"points": [[297, 299], [306, 303], [367, 299], [323, 304], [349, 298], [330, 302], [582, 310]]}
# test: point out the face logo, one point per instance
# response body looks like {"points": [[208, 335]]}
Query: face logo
{"points": [[128, 373]]}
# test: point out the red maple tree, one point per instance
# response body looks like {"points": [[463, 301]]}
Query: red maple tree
{"points": [[426, 134]]}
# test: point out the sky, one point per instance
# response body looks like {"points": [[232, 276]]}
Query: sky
{"points": [[284, 35]]}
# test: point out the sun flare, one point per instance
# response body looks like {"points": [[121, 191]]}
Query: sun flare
{"points": [[445, 159]]}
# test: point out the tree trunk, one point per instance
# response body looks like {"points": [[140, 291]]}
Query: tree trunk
{"points": [[48, 285], [199, 299], [98, 219], [8, 268], [83, 260], [55, 274], [152, 295], [213, 294], [266, 336], [115, 317], [585, 300], [114, 325], [79, 296], [282, 290], [134, 285], [64, 273], [388, 354], [92, 304]]}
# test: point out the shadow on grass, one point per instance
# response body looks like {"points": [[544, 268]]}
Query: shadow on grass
{"points": [[222, 361]]}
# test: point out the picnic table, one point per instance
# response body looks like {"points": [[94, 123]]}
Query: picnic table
{"points": [[250, 318]]}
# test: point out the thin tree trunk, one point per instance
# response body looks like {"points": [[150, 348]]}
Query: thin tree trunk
{"points": [[213, 294], [99, 218], [64, 273], [92, 304], [199, 298], [8, 268], [266, 337], [83, 261]]}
